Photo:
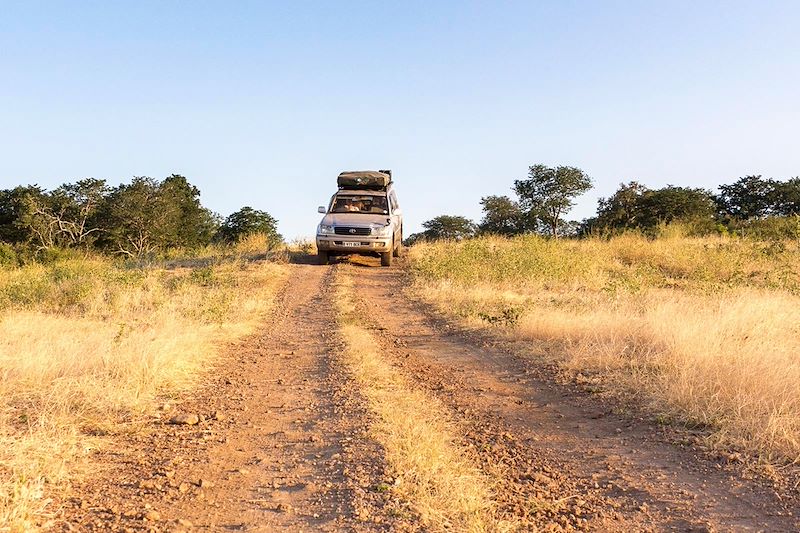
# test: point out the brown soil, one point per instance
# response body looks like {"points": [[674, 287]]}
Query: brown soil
{"points": [[289, 447]]}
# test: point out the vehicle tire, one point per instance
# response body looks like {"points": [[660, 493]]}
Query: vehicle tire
{"points": [[322, 258], [386, 259], [398, 250]]}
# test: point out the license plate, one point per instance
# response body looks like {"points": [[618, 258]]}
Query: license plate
{"points": [[347, 244]]}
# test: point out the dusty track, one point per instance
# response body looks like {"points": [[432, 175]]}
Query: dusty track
{"points": [[290, 448], [288, 453]]}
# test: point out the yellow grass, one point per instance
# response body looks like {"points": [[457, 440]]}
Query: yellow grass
{"points": [[434, 474], [85, 348], [701, 331]]}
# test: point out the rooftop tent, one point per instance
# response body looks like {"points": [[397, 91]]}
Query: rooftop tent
{"points": [[365, 179]]}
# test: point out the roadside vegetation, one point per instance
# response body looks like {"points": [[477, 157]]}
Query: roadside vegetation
{"points": [[143, 219], [433, 473], [89, 344], [701, 331]]}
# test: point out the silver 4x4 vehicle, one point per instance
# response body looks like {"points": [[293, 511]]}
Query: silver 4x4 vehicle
{"points": [[363, 217]]}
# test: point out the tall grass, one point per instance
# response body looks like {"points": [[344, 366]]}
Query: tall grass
{"points": [[86, 345], [702, 331]]}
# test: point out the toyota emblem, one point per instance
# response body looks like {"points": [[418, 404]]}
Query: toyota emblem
{"points": [[352, 230]]}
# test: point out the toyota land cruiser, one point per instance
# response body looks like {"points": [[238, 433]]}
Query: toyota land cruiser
{"points": [[363, 217]]}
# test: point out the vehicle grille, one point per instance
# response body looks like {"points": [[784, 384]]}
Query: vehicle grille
{"points": [[349, 230]]}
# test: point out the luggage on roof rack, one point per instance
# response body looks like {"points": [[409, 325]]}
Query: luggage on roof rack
{"points": [[365, 179]]}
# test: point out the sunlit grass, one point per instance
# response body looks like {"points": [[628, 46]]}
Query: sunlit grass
{"points": [[701, 331], [86, 345]]}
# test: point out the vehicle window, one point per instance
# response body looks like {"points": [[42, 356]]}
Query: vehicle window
{"points": [[369, 204]]}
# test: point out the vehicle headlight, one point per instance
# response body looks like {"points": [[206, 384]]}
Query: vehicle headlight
{"points": [[382, 231], [324, 230]]}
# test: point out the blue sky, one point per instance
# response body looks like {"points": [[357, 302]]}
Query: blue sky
{"points": [[263, 103]]}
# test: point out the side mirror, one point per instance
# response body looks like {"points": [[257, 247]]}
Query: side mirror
{"points": [[321, 209]]}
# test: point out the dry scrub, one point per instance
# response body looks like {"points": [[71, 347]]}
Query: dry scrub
{"points": [[705, 332], [87, 345], [433, 473]]}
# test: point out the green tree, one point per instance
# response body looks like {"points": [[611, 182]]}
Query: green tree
{"points": [[622, 209], [448, 227], [146, 216], [548, 193], [787, 197], [247, 221], [136, 218], [503, 216], [14, 206], [673, 203], [73, 208], [748, 197], [193, 225]]}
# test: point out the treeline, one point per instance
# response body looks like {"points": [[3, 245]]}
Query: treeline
{"points": [[137, 219], [752, 205]]}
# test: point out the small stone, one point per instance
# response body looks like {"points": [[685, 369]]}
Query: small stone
{"points": [[205, 484], [152, 516], [185, 523], [283, 508], [185, 419], [183, 488]]}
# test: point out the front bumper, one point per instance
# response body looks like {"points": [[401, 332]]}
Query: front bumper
{"points": [[339, 243]]}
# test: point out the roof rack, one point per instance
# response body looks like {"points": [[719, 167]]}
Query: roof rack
{"points": [[365, 179]]}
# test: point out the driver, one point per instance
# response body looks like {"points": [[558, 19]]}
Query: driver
{"points": [[352, 205]]}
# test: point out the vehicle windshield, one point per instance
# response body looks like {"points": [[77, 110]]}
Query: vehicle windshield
{"points": [[359, 203]]}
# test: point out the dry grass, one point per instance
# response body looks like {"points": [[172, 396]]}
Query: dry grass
{"points": [[434, 473], [85, 348], [704, 332]]}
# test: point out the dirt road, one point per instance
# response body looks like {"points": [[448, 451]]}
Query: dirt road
{"points": [[284, 441]]}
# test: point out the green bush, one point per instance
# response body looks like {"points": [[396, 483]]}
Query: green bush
{"points": [[767, 229], [8, 256]]}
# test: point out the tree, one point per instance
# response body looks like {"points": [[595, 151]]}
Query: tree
{"points": [[672, 203], [448, 227], [194, 225], [503, 216], [14, 206], [748, 197], [247, 221], [787, 197], [137, 219], [547, 193], [622, 209], [73, 208]]}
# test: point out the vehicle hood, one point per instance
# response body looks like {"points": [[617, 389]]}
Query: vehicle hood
{"points": [[354, 219]]}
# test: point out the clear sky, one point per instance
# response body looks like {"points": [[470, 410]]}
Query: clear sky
{"points": [[263, 103]]}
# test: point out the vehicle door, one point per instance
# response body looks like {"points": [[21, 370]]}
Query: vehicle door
{"points": [[396, 215]]}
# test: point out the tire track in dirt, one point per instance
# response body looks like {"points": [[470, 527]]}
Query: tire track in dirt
{"points": [[282, 443], [565, 460]]}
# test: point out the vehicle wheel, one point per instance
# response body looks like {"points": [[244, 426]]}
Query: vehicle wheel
{"points": [[398, 250], [322, 258], [386, 259]]}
